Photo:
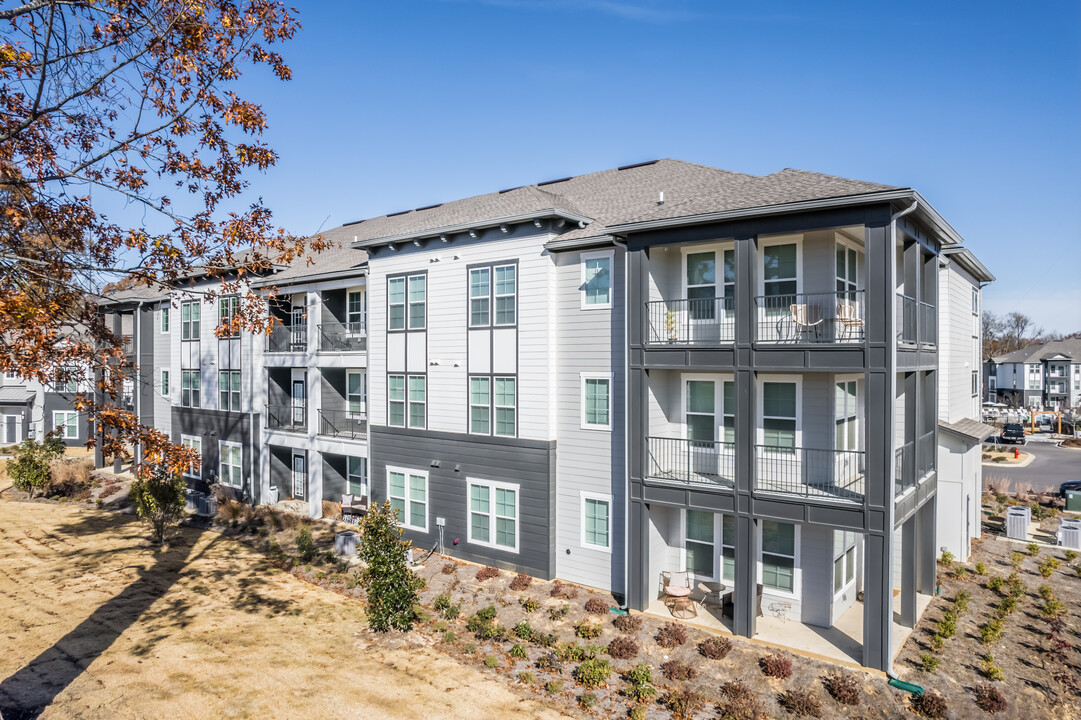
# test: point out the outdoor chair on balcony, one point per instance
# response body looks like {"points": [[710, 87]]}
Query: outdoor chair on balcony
{"points": [[802, 323], [354, 508], [676, 585], [850, 325]]}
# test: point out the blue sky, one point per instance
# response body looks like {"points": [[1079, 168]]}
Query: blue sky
{"points": [[396, 105]]}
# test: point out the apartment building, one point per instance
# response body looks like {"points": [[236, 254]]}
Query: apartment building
{"points": [[603, 378], [1043, 375], [29, 409], [961, 434]]}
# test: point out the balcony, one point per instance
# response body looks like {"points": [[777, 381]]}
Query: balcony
{"points": [[810, 473], [701, 321], [343, 424], [925, 453], [288, 418], [343, 337], [904, 468], [691, 462], [287, 338], [830, 318], [917, 321]]}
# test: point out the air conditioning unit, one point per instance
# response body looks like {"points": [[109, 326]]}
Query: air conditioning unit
{"points": [[1017, 519]]}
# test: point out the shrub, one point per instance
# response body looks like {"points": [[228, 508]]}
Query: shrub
{"points": [[1016, 559], [469, 648], [550, 661], [1033, 549], [521, 581], [593, 673], [452, 611], [559, 590], [487, 573], [523, 630], [596, 606], [490, 631], [990, 700], [947, 558], [671, 635], [559, 612], [1016, 585], [1070, 555], [776, 665], [675, 670], [1048, 567], [642, 693], [450, 636], [960, 600], [390, 585], [628, 623], [30, 470], [988, 668], [715, 648], [487, 613], [440, 626], [946, 628], [640, 674], [740, 702], [684, 703], [1052, 607], [441, 601], [637, 712], [158, 497], [958, 572], [529, 604], [1045, 591], [996, 583], [569, 651], [553, 686], [930, 705], [305, 544], [527, 677], [980, 569], [937, 642], [70, 480], [843, 687], [930, 662], [518, 651], [801, 703], [491, 661], [623, 648], [587, 700], [587, 630], [449, 568], [547, 640], [991, 631]]}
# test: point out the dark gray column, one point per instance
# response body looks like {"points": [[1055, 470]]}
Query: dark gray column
{"points": [[926, 547], [638, 555], [745, 602], [908, 573], [118, 329], [877, 602]]}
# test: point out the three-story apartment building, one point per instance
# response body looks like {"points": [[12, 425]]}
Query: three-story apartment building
{"points": [[1043, 375]]}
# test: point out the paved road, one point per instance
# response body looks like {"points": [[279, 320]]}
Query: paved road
{"points": [[1051, 466]]}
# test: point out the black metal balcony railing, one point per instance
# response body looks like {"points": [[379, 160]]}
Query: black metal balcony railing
{"points": [[928, 329], [291, 418], [904, 470], [343, 424], [287, 338], [701, 321], [826, 474], [836, 317], [691, 461], [925, 453], [343, 337], [905, 317]]}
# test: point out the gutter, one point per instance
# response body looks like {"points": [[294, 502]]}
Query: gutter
{"points": [[582, 221], [314, 277], [580, 243]]}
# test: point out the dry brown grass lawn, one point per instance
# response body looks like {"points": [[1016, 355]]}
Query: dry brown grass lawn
{"points": [[94, 622]]}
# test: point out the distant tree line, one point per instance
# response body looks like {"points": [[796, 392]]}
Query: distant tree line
{"points": [[1005, 333]]}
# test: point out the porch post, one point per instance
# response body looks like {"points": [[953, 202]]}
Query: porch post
{"points": [[638, 569], [118, 330], [926, 547], [745, 598], [908, 573]]}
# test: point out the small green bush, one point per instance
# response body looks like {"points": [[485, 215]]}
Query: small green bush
{"points": [[1045, 591], [554, 686], [391, 587], [450, 636], [487, 613], [469, 648], [569, 651], [937, 642], [960, 601], [529, 604], [523, 630], [980, 569], [441, 601], [545, 640], [593, 673], [1052, 608], [991, 631], [1070, 555], [31, 468], [158, 498], [946, 628], [995, 583], [527, 677], [1033, 549], [1048, 567], [491, 661], [587, 700], [988, 668], [640, 674], [947, 558], [637, 712], [518, 651], [587, 630], [684, 703], [1016, 559], [556, 613], [930, 662], [305, 544]]}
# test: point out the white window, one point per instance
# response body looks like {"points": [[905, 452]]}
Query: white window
{"points": [[597, 521], [165, 383], [396, 303], [195, 444], [356, 313], [506, 285], [975, 301], [844, 560], [356, 393], [780, 285], [975, 383], [493, 514], [418, 301], [418, 399], [164, 319], [189, 321], [702, 556], [67, 380], [396, 400], [845, 413], [229, 389], [596, 402], [189, 388], [231, 467], [847, 273], [357, 476], [505, 396], [480, 297], [779, 416], [779, 556], [228, 308], [480, 405], [68, 422], [597, 280], [408, 494]]}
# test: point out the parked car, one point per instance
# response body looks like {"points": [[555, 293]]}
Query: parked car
{"points": [[1074, 485], [1013, 433]]}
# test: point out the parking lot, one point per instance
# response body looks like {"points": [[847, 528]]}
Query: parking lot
{"points": [[1051, 466]]}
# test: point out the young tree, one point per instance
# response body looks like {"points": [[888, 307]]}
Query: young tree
{"points": [[31, 469], [391, 586], [107, 104], [158, 496]]}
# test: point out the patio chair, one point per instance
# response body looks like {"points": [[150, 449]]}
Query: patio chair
{"points": [[801, 321], [676, 585], [354, 508], [851, 326]]}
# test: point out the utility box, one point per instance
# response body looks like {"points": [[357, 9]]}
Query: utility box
{"points": [[1069, 534], [1017, 519], [1073, 500]]}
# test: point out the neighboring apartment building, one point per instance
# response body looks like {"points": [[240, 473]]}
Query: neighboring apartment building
{"points": [[659, 367], [961, 434], [29, 409], [1043, 375]]}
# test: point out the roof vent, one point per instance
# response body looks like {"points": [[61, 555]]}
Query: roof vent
{"points": [[403, 212], [638, 165], [553, 182], [509, 189], [429, 207], [355, 222]]}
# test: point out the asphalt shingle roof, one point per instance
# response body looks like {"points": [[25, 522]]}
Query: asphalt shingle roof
{"points": [[1070, 347]]}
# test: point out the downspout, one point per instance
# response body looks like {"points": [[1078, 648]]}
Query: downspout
{"points": [[626, 424]]}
